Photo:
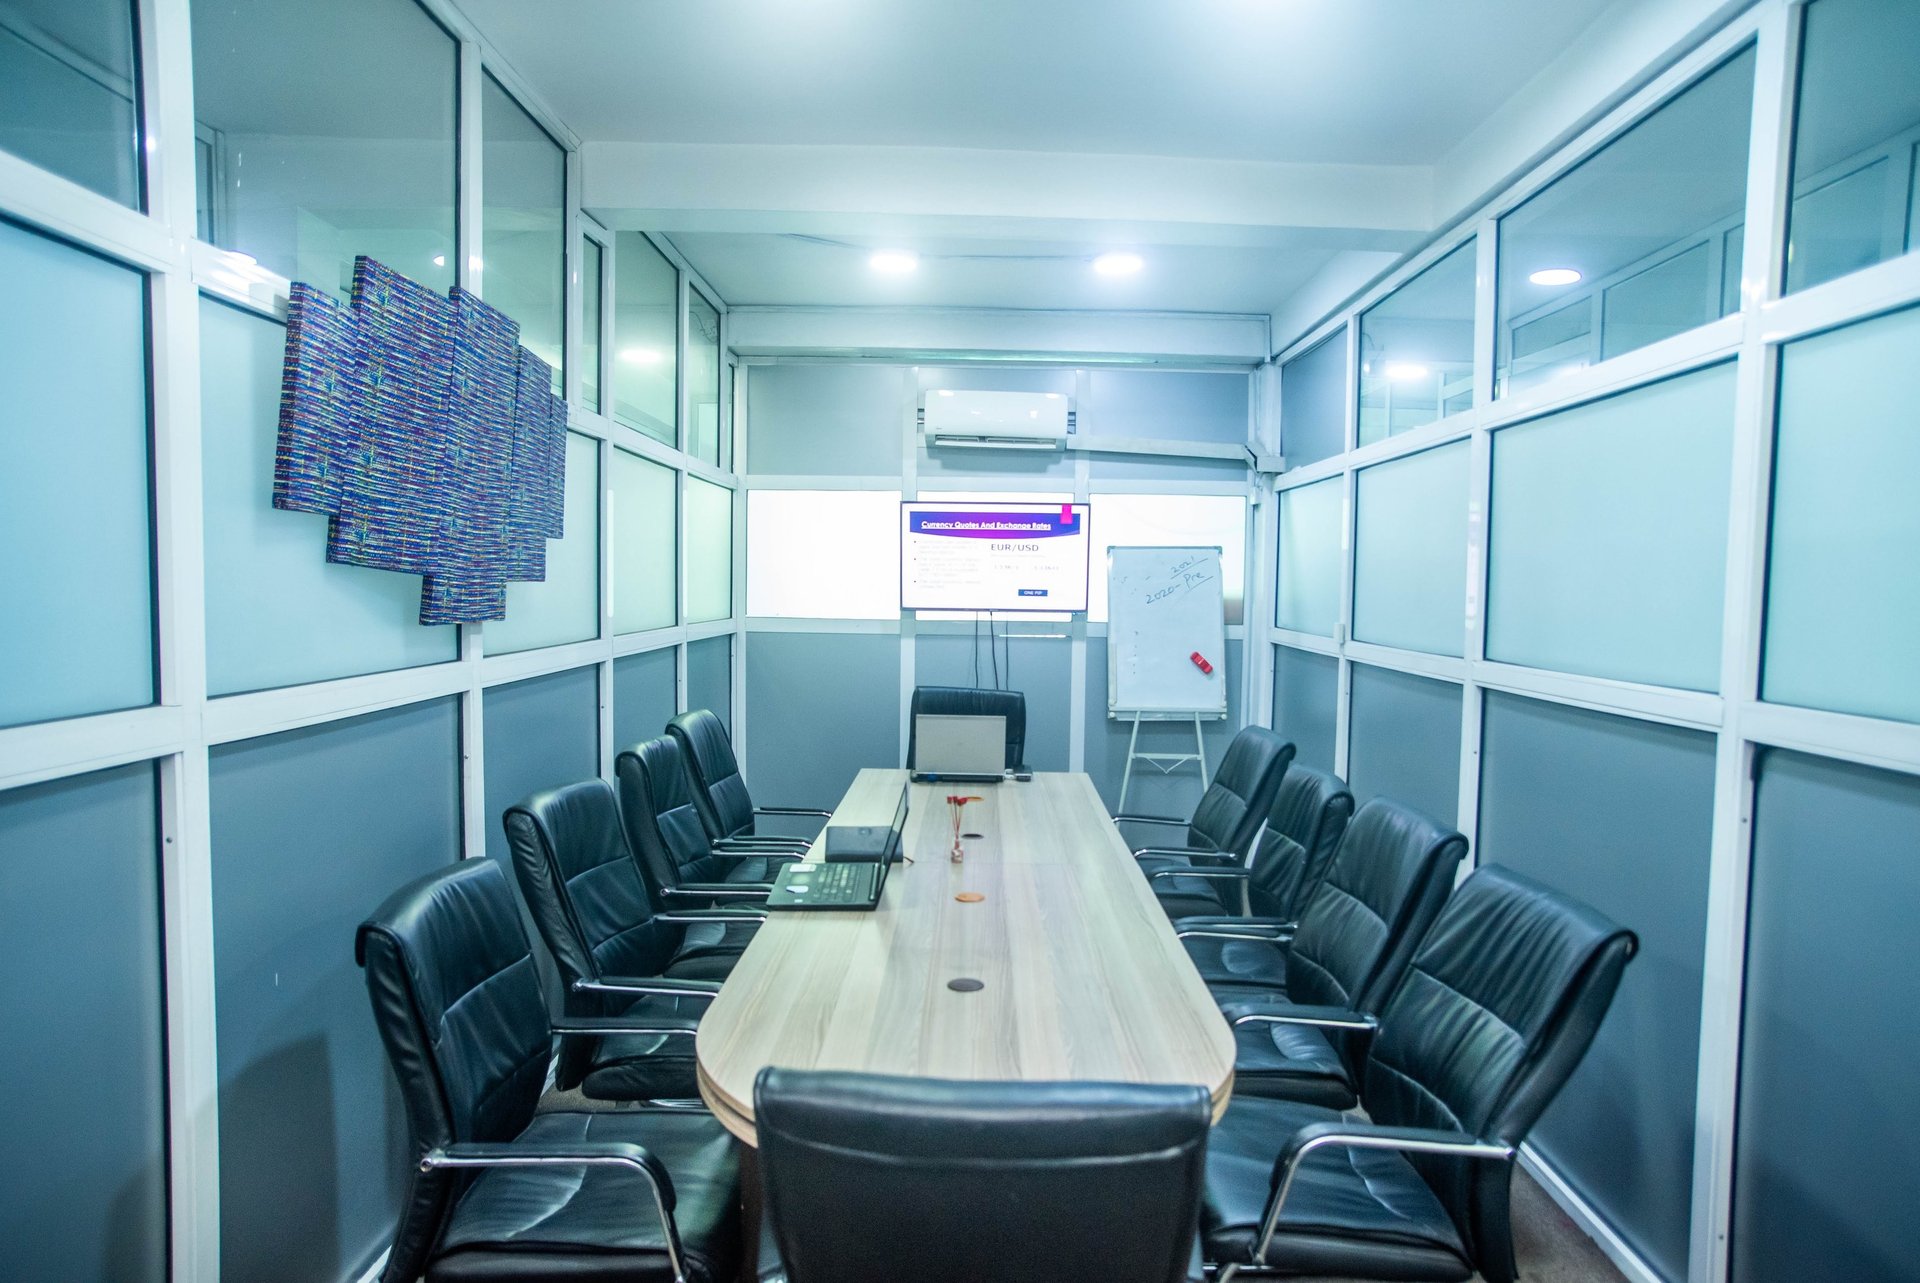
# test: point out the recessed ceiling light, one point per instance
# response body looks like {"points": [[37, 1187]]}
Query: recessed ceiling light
{"points": [[642, 355], [894, 262], [1118, 263], [1406, 371], [1555, 276], [439, 260]]}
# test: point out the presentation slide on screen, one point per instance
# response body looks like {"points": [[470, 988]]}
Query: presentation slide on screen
{"points": [[1003, 556]]}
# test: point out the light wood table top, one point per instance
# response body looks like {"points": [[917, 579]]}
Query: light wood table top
{"points": [[1083, 977]]}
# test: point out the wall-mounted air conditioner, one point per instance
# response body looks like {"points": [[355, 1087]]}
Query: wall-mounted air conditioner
{"points": [[995, 420]]}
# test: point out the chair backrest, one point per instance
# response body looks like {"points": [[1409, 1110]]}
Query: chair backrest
{"points": [[584, 888], [720, 794], [971, 701], [1237, 801], [1304, 828], [873, 1177], [1388, 881], [459, 1008], [664, 829], [1495, 1012]]}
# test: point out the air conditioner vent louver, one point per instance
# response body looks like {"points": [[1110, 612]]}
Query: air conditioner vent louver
{"points": [[995, 420]]}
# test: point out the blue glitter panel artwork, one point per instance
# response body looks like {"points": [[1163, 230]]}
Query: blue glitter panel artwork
{"points": [[427, 434]]}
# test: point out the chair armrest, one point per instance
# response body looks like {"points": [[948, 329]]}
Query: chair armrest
{"points": [[1237, 873], [752, 841], [601, 1026], [1352, 1135], [1188, 853], [792, 810], [692, 917], [719, 891], [1275, 928], [657, 986], [600, 1153], [1130, 818], [1276, 1012], [730, 851]]}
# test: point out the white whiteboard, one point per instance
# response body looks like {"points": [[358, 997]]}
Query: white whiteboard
{"points": [[1164, 604]]}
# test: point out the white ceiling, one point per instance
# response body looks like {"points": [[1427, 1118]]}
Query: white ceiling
{"points": [[1253, 151]]}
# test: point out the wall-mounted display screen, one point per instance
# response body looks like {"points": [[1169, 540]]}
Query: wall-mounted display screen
{"points": [[993, 557]]}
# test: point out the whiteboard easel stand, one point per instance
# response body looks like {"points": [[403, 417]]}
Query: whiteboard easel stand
{"points": [[1165, 763]]}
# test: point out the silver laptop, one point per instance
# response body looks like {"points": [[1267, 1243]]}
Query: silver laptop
{"points": [[966, 750]]}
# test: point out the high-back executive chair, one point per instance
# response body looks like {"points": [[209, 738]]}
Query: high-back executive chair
{"points": [[617, 951], [1304, 826], [680, 861], [882, 1178], [1387, 885], [719, 790], [971, 701], [1500, 1004], [499, 1191], [1236, 803]]}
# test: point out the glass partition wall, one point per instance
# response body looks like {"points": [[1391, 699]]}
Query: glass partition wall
{"points": [[193, 689], [1595, 536]]}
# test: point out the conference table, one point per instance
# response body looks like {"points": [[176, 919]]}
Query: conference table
{"points": [[1079, 974]]}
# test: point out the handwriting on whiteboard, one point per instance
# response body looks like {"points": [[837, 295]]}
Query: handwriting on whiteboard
{"points": [[1188, 582]]}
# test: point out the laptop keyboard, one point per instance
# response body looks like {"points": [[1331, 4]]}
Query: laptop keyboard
{"points": [[830, 883]]}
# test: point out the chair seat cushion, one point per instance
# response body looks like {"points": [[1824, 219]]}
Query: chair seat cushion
{"points": [[708, 950], [1291, 1062], [1247, 964], [646, 1066], [754, 868], [597, 1224], [1364, 1213]]}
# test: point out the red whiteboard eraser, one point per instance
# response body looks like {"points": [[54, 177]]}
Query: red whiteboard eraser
{"points": [[1200, 662]]}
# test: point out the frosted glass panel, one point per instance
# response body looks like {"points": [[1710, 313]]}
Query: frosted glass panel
{"points": [[1613, 226], [1416, 350], [1312, 556], [1306, 696], [642, 526], [1609, 535], [277, 612], [823, 554], [703, 379], [76, 596], [67, 91], [1313, 403], [1147, 520], [329, 132], [1403, 740], [710, 677], [646, 338], [593, 314], [1843, 601], [1410, 552], [565, 607], [524, 177], [1859, 104], [709, 549]]}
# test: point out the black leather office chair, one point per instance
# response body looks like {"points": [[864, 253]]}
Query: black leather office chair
{"points": [[677, 856], [970, 701], [1388, 883], [1496, 1011], [617, 951], [1309, 817], [1230, 812], [881, 1178], [498, 1191], [720, 791]]}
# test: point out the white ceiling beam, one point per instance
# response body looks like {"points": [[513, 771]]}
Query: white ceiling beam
{"points": [[786, 188], [932, 334]]}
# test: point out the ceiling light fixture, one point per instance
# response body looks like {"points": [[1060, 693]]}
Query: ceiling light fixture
{"points": [[894, 262], [1406, 371], [1555, 276], [1118, 263]]}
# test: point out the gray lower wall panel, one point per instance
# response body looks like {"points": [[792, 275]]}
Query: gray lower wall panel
{"points": [[1618, 813], [643, 696], [312, 829], [1404, 741], [1306, 704], [1152, 792], [540, 734], [710, 677], [1827, 1165], [1041, 668], [820, 706], [82, 1069]]}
